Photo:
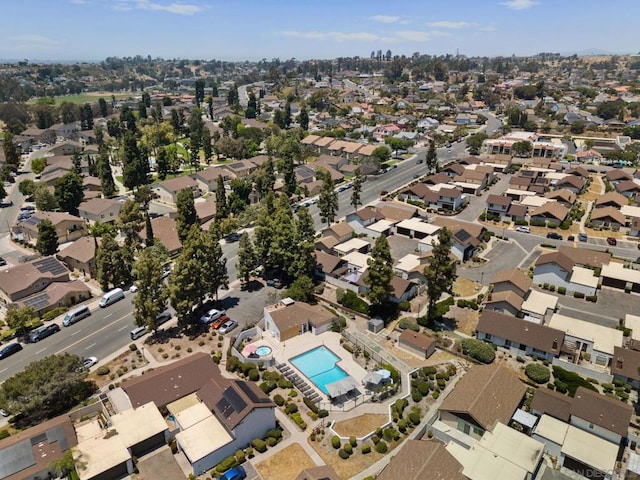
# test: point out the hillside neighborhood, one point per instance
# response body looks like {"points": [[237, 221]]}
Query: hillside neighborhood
{"points": [[368, 268]]}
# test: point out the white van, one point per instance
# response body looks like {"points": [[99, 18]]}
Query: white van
{"points": [[75, 316], [137, 332], [111, 297]]}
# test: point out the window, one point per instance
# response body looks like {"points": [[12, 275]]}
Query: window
{"points": [[487, 336], [591, 426]]}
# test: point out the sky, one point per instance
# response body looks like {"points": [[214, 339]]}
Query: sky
{"points": [[235, 30]]}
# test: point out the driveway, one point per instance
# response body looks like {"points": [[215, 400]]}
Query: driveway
{"points": [[477, 204], [503, 256], [612, 305]]}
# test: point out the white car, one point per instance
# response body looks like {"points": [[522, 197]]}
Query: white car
{"points": [[211, 315], [89, 362], [523, 229], [133, 289], [227, 327]]}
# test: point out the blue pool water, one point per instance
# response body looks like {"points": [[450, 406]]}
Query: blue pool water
{"points": [[319, 366], [263, 351]]}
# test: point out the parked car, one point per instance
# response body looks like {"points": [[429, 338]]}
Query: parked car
{"points": [[582, 237], [89, 362], [211, 315], [227, 326], [10, 350], [234, 237], [3, 262], [523, 229], [3, 413], [43, 332], [419, 161], [163, 317], [218, 322], [612, 241], [236, 473], [6, 204], [554, 236]]}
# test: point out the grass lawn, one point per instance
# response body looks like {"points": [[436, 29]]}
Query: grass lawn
{"points": [[85, 98], [361, 425], [286, 464], [463, 287]]}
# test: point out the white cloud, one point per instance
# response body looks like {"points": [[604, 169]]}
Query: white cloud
{"points": [[519, 4], [414, 35], [29, 41], [385, 19], [448, 24], [488, 28], [175, 7], [336, 36]]}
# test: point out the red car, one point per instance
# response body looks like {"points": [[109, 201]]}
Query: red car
{"points": [[612, 241], [218, 322]]}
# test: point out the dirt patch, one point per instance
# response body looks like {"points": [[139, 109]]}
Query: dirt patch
{"points": [[466, 320], [464, 287], [286, 464], [361, 425]]}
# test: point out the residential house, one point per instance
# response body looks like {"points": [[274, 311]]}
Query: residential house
{"points": [[402, 290], [361, 219], [564, 196], [31, 277], [498, 204], [587, 342], [411, 267], [538, 306], [472, 181], [417, 228], [513, 280], [504, 302], [501, 162], [352, 245], [608, 218], [241, 168], [628, 188], [572, 183], [80, 255], [466, 236], [30, 454], [325, 472], [417, 343], [617, 276], [624, 367], [165, 231], [68, 147], [328, 265], [611, 199], [103, 210], [207, 179], [551, 213], [616, 175], [66, 130], [520, 337], [40, 135], [168, 190], [341, 231], [485, 396], [558, 269], [287, 319], [420, 459], [68, 227]]}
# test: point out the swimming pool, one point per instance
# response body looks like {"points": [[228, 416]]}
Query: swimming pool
{"points": [[319, 366], [263, 351]]}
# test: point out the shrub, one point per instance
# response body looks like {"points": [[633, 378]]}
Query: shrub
{"points": [[402, 425], [416, 396], [254, 375], [259, 445], [381, 447], [375, 439], [240, 456], [310, 405], [267, 387], [607, 387], [366, 448], [352, 301], [103, 370], [270, 441], [538, 373], [335, 442], [408, 323], [343, 454], [322, 413], [404, 306], [274, 433], [592, 298], [279, 399], [291, 408], [429, 370], [133, 347], [423, 388], [570, 381], [478, 350], [390, 433], [226, 464], [299, 421], [578, 294], [5, 433], [562, 290], [414, 418], [435, 395], [348, 448]]}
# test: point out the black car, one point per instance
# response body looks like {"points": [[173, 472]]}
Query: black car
{"points": [[3, 262], [234, 237], [10, 350], [43, 332], [554, 236]]}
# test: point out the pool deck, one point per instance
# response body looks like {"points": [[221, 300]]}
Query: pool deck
{"points": [[283, 351]]}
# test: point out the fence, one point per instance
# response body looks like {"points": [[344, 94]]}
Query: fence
{"points": [[375, 351], [266, 360], [583, 371]]}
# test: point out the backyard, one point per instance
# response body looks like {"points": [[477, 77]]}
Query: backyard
{"points": [[286, 464]]}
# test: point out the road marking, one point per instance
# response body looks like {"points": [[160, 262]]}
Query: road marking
{"points": [[3, 370], [40, 351], [95, 332], [109, 315], [91, 346], [76, 333], [123, 328]]}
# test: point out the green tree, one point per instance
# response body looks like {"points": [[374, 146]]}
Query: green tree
{"points": [[102, 104], [38, 164], [11, 153], [252, 106], [474, 142], [303, 118], [130, 222], [135, 166], [27, 187], [523, 148], [440, 272], [577, 127], [151, 298], [432, 158], [19, 318], [381, 154], [148, 229], [69, 192], [247, 258], [113, 262], [107, 183], [301, 289], [222, 209], [199, 91], [304, 261], [289, 175], [283, 241], [205, 138], [380, 272], [356, 189], [44, 198], [186, 216], [47, 243], [328, 198], [46, 388]]}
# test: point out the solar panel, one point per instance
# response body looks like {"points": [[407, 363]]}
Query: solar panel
{"points": [[252, 394], [235, 400], [58, 435], [38, 439], [37, 301], [49, 264], [16, 458], [32, 221], [463, 235], [226, 410]]}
